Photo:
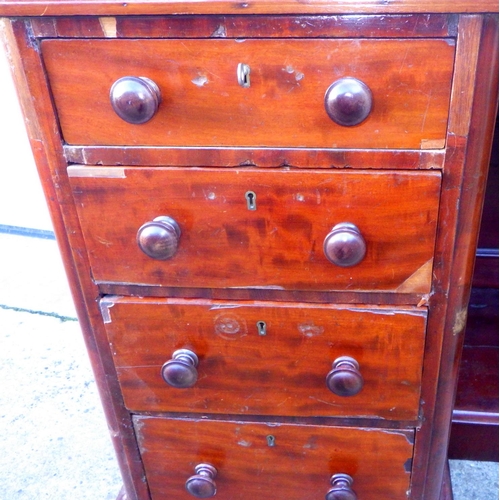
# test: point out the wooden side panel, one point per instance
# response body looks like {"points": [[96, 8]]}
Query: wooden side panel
{"points": [[280, 373], [297, 467], [203, 104], [279, 245]]}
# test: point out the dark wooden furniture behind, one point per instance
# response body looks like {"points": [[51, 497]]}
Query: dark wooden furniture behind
{"points": [[268, 212], [474, 433]]}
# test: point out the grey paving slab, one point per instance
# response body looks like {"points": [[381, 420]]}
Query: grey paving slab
{"points": [[54, 439], [474, 480], [32, 276]]}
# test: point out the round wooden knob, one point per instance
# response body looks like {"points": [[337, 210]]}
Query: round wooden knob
{"points": [[135, 99], [180, 371], [341, 488], [344, 245], [348, 101], [345, 379], [202, 484], [159, 238]]}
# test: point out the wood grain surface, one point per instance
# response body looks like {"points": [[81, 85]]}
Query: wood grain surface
{"points": [[280, 373], [297, 467], [203, 104], [134, 7], [279, 245], [241, 26]]}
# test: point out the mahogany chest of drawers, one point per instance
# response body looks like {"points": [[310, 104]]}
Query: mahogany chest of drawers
{"points": [[268, 213]]}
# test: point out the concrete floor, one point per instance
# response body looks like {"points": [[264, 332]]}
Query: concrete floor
{"points": [[54, 439]]}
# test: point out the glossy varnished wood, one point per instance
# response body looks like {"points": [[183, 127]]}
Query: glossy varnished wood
{"points": [[298, 466], [166, 441], [279, 245], [203, 104], [280, 371], [149, 7]]}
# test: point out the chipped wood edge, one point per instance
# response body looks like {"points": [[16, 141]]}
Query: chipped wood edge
{"points": [[420, 281], [97, 172], [108, 25]]}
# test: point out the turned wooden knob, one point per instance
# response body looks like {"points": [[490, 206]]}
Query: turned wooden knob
{"points": [[348, 101], [345, 379], [159, 238], [135, 99], [202, 484], [180, 371], [344, 245], [341, 488]]}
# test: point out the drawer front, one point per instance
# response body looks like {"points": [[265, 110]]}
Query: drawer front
{"points": [[278, 243], [267, 358], [202, 103], [297, 465]]}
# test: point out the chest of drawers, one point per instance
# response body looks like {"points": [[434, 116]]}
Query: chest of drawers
{"points": [[268, 214]]}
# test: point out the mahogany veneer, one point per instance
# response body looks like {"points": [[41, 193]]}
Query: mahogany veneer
{"points": [[279, 245], [203, 104], [269, 225]]}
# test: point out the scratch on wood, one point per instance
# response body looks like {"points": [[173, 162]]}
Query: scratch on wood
{"points": [[108, 25], [224, 306], [325, 402], [460, 321], [390, 311]]}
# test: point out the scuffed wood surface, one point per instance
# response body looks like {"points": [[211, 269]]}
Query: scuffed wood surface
{"points": [[137, 7], [240, 26], [280, 373], [277, 246], [385, 159], [298, 467], [203, 104]]}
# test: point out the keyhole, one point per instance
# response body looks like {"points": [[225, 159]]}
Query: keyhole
{"points": [[262, 328], [271, 440], [243, 75], [251, 198]]}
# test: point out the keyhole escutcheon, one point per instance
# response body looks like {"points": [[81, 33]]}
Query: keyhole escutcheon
{"points": [[243, 75], [251, 198], [262, 328]]}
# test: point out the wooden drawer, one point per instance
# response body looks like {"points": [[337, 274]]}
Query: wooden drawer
{"points": [[277, 245], [297, 467], [202, 103], [268, 358]]}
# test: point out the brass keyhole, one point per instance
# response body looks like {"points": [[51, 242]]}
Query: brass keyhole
{"points": [[251, 198]]}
